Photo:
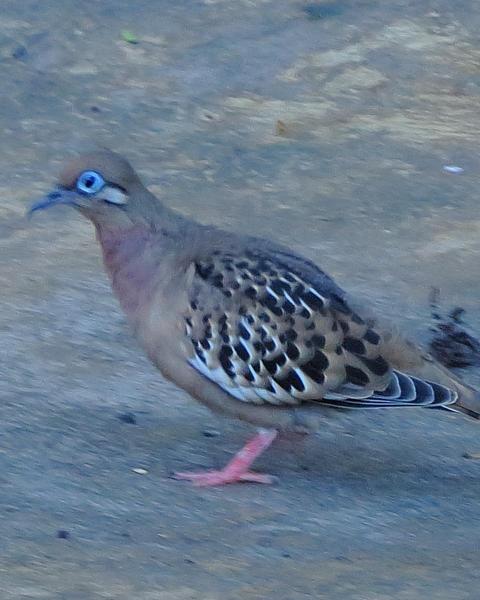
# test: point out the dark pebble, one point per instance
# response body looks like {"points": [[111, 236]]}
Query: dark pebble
{"points": [[63, 534], [316, 11], [210, 433], [128, 417], [471, 456], [20, 53]]}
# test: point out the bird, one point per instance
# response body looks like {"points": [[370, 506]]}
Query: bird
{"points": [[244, 325]]}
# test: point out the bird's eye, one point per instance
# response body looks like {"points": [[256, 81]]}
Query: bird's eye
{"points": [[90, 182]]}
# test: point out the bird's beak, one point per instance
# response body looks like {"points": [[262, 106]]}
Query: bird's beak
{"points": [[55, 197]]}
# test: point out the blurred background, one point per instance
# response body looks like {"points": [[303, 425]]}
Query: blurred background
{"points": [[324, 125]]}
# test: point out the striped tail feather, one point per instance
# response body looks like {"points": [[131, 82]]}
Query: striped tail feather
{"points": [[450, 392], [467, 399], [402, 390]]}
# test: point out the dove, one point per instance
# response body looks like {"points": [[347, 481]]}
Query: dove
{"points": [[245, 326]]}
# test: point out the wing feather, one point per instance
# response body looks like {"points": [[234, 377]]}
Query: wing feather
{"points": [[269, 332]]}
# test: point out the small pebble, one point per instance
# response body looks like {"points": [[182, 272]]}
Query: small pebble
{"points": [[140, 471], [316, 11], [129, 37], [63, 534], [453, 169], [210, 433], [342, 558], [128, 417], [20, 53], [471, 455], [280, 128]]}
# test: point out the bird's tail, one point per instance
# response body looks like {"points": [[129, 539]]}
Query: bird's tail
{"points": [[468, 398], [468, 401], [407, 357]]}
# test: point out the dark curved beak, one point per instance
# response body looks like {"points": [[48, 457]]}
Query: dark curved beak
{"points": [[52, 199]]}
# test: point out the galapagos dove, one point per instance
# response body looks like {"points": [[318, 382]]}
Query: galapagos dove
{"points": [[244, 325]]}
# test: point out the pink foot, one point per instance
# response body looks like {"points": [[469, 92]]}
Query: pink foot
{"points": [[208, 478], [238, 468]]}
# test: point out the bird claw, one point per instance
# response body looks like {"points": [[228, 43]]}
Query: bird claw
{"points": [[238, 468], [222, 477]]}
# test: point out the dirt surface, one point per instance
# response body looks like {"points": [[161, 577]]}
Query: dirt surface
{"points": [[323, 125]]}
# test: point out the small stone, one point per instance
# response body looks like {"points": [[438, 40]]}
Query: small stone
{"points": [[453, 169], [280, 128], [20, 53], [129, 37], [63, 534], [342, 558], [140, 471], [471, 455], [322, 10], [128, 417], [210, 433]]}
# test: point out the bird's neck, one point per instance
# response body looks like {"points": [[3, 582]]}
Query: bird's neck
{"points": [[130, 259], [136, 245]]}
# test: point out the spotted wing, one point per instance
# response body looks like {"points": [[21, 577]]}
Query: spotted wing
{"points": [[267, 333]]}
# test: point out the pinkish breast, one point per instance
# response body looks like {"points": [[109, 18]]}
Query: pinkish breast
{"points": [[130, 261]]}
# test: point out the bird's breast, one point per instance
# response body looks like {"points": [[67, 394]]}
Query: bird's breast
{"points": [[148, 285], [131, 262]]}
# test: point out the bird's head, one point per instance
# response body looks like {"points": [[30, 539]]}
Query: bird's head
{"points": [[103, 187]]}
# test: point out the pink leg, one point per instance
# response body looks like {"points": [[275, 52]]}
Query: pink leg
{"points": [[238, 468]]}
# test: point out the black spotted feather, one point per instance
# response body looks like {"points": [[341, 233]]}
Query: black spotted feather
{"points": [[272, 329]]}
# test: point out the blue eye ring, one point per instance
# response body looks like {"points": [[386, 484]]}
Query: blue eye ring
{"points": [[90, 182]]}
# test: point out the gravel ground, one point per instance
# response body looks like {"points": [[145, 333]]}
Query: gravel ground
{"points": [[323, 125]]}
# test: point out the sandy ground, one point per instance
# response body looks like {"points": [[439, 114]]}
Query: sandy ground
{"points": [[373, 100]]}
